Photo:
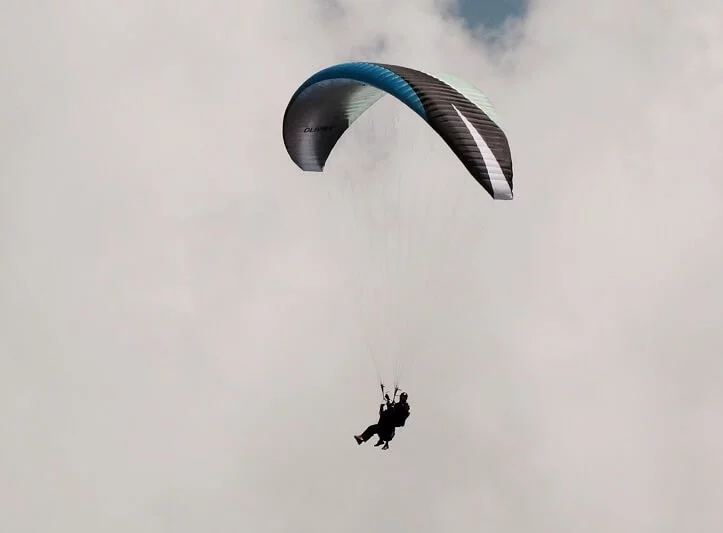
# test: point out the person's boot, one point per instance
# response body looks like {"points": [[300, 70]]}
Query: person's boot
{"points": [[386, 446], [379, 443], [359, 439]]}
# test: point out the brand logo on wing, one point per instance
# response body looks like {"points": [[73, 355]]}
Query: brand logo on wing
{"points": [[318, 129]]}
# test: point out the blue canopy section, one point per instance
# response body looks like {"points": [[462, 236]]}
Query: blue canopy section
{"points": [[370, 74]]}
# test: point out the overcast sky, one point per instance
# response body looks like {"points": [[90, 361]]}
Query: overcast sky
{"points": [[187, 320]]}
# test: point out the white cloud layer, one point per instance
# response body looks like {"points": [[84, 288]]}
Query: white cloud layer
{"points": [[180, 307]]}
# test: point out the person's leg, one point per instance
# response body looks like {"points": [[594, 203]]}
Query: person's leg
{"points": [[386, 434], [367, 434]]}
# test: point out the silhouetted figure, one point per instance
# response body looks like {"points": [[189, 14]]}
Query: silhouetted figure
{"points": [[391, 416]]}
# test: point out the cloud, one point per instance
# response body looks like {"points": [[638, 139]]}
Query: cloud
{"points": [[182, 309]]}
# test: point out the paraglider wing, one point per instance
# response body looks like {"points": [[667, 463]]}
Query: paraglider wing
{"points": [[326, 104]]}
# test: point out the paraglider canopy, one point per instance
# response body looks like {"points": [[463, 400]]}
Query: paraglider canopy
{"points": [[327, 103]]}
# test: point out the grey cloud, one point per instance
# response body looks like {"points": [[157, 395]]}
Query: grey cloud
{"points": [[181, 308]]}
